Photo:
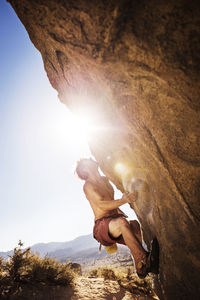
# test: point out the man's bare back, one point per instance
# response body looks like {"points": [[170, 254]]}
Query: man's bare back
{"points": [[101, 197]]}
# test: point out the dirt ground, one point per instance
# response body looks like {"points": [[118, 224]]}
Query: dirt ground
{"points": [[98, 288], [84, 288]]}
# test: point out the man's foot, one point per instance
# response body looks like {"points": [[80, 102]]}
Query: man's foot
{"points": [[142, 270], [152, 261]]}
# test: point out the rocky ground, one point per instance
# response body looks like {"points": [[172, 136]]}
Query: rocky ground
{"points": [[98, 288], [85, 288]]}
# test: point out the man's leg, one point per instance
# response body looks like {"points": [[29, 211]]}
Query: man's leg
{"points": [[118, 226], [136, 230]]}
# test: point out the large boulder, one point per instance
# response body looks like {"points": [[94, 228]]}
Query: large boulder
{"points": [[135, 66]]}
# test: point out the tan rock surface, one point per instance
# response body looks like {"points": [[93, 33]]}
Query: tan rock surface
{"points": [[97, 288], [135, 65]]}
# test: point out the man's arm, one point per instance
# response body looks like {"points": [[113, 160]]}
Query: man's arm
{"points": [[98, 200], [111, 204]]}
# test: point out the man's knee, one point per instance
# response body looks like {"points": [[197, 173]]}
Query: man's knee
{"points": [[122, 222], [117, 225]]}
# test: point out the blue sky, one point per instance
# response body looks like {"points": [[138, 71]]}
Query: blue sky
{"points": [[41, 199]]}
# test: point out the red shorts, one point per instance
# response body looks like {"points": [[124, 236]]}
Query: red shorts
{"points": [[101, 231]]}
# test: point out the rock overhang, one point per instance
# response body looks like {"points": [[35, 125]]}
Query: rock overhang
{"points": [[135, 65]]}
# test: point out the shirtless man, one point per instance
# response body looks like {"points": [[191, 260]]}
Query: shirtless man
{"points": [[111, 225]]}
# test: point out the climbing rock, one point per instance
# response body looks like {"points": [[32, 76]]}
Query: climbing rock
{"points": [[134, 65]]}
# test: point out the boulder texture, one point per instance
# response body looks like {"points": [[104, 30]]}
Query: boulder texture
{"points": [[134, 66]]}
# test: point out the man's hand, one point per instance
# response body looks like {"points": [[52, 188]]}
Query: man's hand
{"points": [[130, 197]]}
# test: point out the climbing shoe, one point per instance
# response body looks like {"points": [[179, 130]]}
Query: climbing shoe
{"points": [[152, 261]]}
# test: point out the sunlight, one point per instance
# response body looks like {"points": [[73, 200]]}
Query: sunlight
{"points": [[78, 128], [121, 169], [69, 131]]}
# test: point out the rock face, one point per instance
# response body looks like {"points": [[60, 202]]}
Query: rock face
{"points": [[134, 65]]}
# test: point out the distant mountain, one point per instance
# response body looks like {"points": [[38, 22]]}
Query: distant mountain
{"points": [[5, 255], [56, 249]]}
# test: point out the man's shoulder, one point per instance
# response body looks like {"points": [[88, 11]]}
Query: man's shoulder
{"points": [[87, 185]]}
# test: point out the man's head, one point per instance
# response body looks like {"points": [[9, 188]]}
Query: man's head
{"points": [[85, 168]]}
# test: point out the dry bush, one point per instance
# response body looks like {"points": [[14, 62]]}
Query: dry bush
{"points": [[104, 272], [24, 269], [109, 273]]}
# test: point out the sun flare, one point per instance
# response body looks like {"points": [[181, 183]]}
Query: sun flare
{"points": [[71, 131], [79, 128], [121, 168]]}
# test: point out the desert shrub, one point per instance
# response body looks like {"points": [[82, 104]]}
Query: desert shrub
{"points": [[75, 267], [105, 272], [1, 267], [15, 267], [48, 271], [24, 268], [110, 273], [93, 273], [3, 277]]}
